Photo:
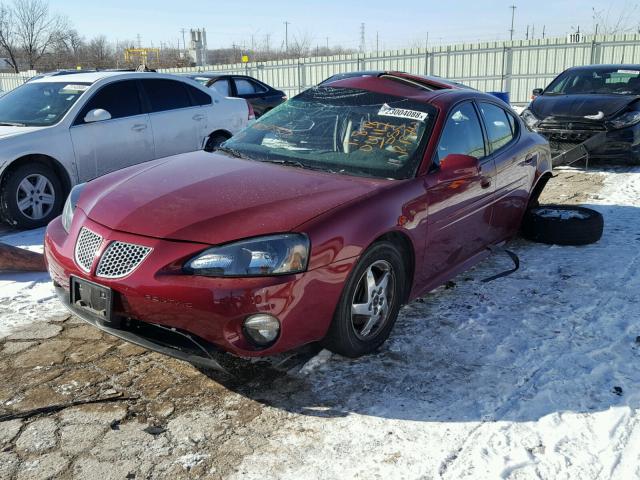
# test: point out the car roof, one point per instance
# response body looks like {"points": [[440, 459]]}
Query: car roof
{"points": [[434, 81], [208, 75], [608, 66], [415, 87], [92, 77]]}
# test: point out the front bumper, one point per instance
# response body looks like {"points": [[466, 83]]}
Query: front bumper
{"points": [[617, 146], [158, 306]]}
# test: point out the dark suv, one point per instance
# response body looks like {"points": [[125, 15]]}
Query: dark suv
{"points": [[261, 96], [584, 101]]}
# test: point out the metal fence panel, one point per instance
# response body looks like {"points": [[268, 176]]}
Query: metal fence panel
{"points": [[514, 66]]}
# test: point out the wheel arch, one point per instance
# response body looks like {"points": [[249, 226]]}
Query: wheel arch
{"points": [[538, 188], [48, 160], [403, 242]]}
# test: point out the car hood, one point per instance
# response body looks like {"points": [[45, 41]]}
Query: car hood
{"points": [[580, 106], [7, 131], [212, 198]]}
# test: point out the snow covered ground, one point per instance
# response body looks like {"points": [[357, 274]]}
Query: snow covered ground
{"points": [[535, 375], [25, 297]]}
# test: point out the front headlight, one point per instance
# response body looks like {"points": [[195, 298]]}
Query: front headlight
{"points": [[625, 120], [254, 257], [70, 206], [529, 118]]}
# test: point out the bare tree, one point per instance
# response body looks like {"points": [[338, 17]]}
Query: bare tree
{"points": [[100, 52], [606, 22], [300, 45], [36, 29], [8, 42]]}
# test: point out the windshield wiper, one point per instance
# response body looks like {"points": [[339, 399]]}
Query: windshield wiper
{"points": [[297, 164], [232, 152], [12, 124]]}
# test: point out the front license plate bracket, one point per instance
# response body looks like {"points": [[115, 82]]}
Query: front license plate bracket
{"points": [[92, 298]]}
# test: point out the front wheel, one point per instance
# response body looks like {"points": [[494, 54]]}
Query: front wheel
{"points": [[31, 196], [370, 302], [214, 141]]}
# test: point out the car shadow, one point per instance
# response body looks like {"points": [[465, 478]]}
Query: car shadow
{"points": [[562, 334]]}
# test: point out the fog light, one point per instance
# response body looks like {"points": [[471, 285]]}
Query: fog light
{"points": [[262, 329]]}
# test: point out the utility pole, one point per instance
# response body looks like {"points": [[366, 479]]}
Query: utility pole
{"points": [[362, 46], [184, 43], [527, 35], [286, 36], [139, 38], [533, 31], [513, 16], [377, 44], [327, 43], [544, 27]]}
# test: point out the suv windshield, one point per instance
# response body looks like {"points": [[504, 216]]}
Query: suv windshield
{"points": [[622, 81], [40, 103], [342, 130]]}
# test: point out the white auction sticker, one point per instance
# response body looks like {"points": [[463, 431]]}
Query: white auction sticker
{"points": [[387, 111], [74, 88], [632, 72]]}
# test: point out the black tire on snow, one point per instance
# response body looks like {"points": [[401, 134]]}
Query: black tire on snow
{"points": [[562, 225]]}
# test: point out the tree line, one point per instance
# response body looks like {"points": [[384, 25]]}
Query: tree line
{"points": [[32, 37]]}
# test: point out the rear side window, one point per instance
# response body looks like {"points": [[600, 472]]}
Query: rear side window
{"points": [[166, 94], [222, 87], [498, 125], [462, 134], [247, 87], [120, 99], [198, 96]]}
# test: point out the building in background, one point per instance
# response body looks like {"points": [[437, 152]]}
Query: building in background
{"points": [[198, 47]]}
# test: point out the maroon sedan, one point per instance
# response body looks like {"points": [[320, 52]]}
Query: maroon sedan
{"points": [[316, 223]]}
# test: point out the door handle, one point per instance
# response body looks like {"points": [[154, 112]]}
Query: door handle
{"points": [[531, 159], [198, 117], [138, 127], [485, 182]]}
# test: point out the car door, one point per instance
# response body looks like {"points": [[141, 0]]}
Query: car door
{"points": [[515, 169], [123, 140], [253, 92], [174, 120], [202, 104], [459, 211]]}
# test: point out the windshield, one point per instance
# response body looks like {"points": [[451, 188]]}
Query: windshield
{"points": [[341, 130], [40, 103], [608, 81]]}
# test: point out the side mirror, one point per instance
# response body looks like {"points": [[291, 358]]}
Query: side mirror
{"points": [[536, 92], [97, 115], [456, 166]]}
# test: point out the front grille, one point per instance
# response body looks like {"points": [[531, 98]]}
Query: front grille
{"points": [[87, 245], [120, 259]]}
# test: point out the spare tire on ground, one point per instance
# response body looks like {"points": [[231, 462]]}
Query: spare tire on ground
{"points": [[562, 225]]}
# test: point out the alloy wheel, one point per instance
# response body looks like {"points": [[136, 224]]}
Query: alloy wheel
{"points": [[35, 196], [373, 299]]}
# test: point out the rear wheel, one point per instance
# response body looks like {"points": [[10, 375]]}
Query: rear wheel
{"points": [[31, 196], [369, 304], [214, 141]]}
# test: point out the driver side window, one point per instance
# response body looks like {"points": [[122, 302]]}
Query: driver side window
{"points": [[462, 134], [120, 99]]}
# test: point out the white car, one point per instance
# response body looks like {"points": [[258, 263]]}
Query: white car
{"points": [[58, 131]]}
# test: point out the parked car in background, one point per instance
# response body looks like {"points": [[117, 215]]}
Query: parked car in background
{"points": [[314, 223], [584, 101], [60, 130], [261, 96]]}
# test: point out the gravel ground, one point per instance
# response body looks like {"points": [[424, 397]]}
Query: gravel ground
{"points": [[77, 403]]}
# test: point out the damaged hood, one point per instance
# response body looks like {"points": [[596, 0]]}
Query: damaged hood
{"points": [[212, 198], [586, 106]]}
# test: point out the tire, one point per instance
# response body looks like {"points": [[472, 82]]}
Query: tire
{"points": [[562, 225], [38, 187], [347, 334], [214, 141]]}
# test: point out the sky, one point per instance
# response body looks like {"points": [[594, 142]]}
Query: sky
{"points": [[396, 24]]}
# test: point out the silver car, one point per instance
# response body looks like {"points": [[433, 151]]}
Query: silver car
{"points": [[58, 131]]}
